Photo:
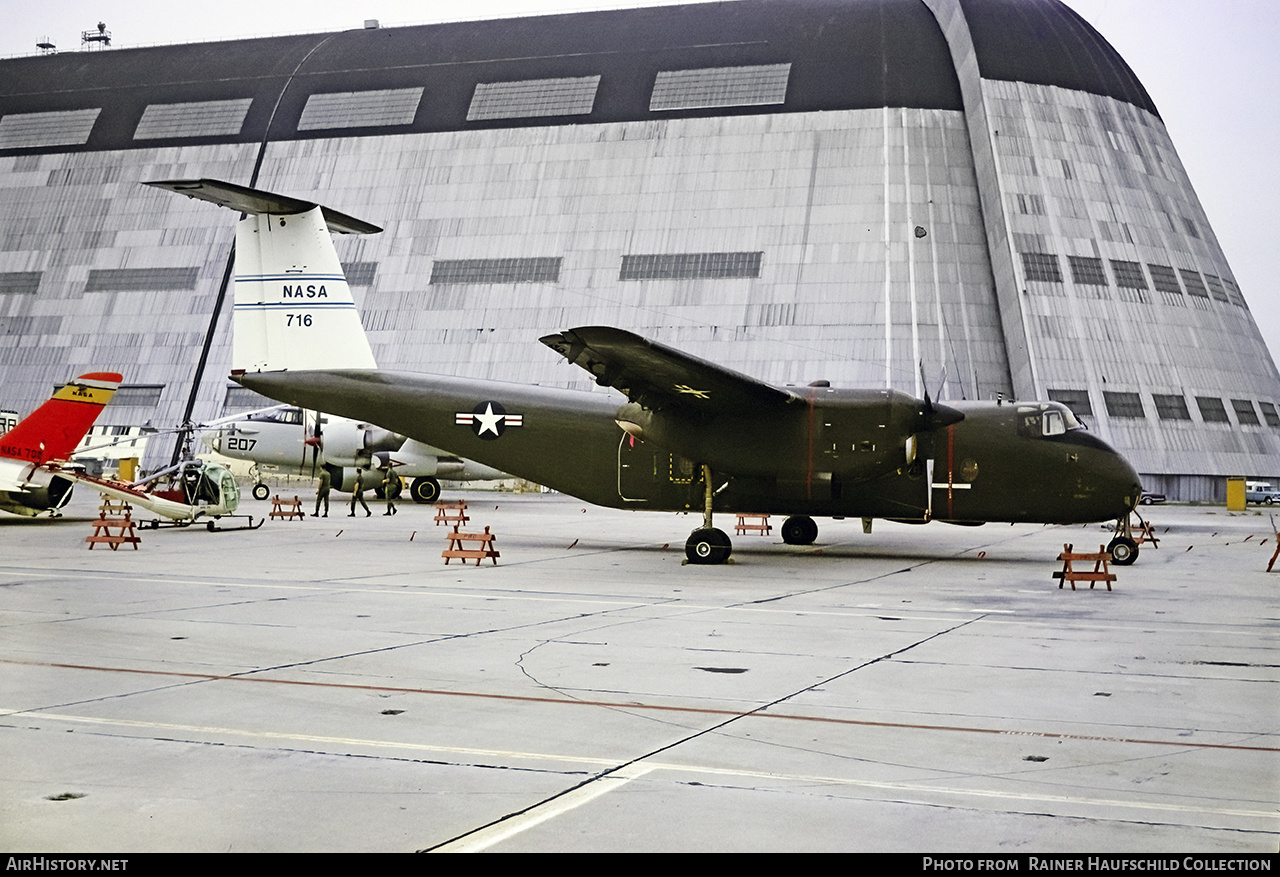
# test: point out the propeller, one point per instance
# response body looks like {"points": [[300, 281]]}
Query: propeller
{"points": [[936, 416], [315, 441]]}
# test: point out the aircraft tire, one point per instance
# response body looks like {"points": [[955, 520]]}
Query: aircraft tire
{"points": [[1123, 551], [261, 491], [425, 490], [708, 546], [799, 530]]}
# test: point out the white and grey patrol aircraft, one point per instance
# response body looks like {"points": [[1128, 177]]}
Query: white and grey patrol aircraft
{"points": [[296, 441]]}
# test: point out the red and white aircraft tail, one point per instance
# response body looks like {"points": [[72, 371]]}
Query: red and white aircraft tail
{"points": [[50, 434]]}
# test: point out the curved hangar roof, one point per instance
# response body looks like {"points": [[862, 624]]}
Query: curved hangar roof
{"points": [[842, 54]]}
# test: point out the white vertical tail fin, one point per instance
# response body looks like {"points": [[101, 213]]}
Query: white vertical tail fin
{"points": [[293, 307]]}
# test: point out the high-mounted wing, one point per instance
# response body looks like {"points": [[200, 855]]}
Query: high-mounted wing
{"points": [[657, 376]]}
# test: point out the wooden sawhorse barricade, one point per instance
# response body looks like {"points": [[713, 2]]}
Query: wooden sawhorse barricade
{"points": [[287, 509], [452, 511], [458, 541], [1143, 534], [114, 515], [1100, 573], [758, 523]]}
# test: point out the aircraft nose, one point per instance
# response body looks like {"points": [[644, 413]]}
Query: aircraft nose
{"points": [[211, 439], [1108, 486], [1121, 486]]}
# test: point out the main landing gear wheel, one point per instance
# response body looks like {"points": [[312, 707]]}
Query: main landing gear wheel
{"points": [[261, 491], [799, 530], [707, 545], [425, 490], [1123, 550]]}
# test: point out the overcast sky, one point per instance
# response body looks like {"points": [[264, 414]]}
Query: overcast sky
{"points": [[1209, 66]]}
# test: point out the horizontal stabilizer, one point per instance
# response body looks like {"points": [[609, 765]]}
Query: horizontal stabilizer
{"points": [[293, 305], [256, 202]]}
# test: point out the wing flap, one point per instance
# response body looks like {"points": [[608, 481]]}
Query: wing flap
{"points": [[657, 376]]}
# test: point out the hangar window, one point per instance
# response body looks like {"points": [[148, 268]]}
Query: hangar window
{"points": [[1245, 415], [141, 279], [1171, 407], [242, 399], [536, 270], [1076, 400], [137, 396], [1129, 274], [360, 109], [1269, 413], [210, 118], [19, 282], [1041, 266], [1212, 410], [1233, 292], [360, 273], [64, 128], [1164, 278], [533, 97], [1087, 270], [1123, 404], [690, 266], [1195, 288], [1216, 287], [1190, 227], [720, 87]]}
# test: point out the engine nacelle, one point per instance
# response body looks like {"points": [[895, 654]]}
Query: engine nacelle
{"points": [[34, 500], [349, 443]]}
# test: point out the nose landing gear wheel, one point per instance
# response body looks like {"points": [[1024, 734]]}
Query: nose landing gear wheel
{"points": [[261, 491], [1123, 550], [708, 546]]}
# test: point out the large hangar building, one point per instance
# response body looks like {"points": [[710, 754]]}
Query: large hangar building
{"points": [[858, 191]]}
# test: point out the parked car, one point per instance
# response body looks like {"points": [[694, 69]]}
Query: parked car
{"points": [[1263, 492], [1149, 498]]}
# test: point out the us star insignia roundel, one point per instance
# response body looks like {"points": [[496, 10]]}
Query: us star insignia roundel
{"points": [[489, 420]]}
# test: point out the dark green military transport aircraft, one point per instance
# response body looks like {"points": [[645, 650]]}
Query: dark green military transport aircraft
{"points": [[690, 435]]}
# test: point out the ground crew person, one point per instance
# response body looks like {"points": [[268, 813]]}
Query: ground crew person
{"points": [[357, 495], [391, 489], [322, 493]]}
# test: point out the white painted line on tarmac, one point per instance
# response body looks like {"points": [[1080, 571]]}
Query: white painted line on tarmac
{"points": [[922, 791], [309, 738], [486, 837]]}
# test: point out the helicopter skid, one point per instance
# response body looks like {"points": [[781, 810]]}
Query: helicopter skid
{"points": [[211, 524], [214, 528]]}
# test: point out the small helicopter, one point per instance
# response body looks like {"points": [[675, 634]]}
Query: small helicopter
{"points": [[190, 490]]}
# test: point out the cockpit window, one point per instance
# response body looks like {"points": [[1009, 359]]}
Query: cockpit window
{"points": [[278, 415], [1053, 423], [1048, 419]]}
